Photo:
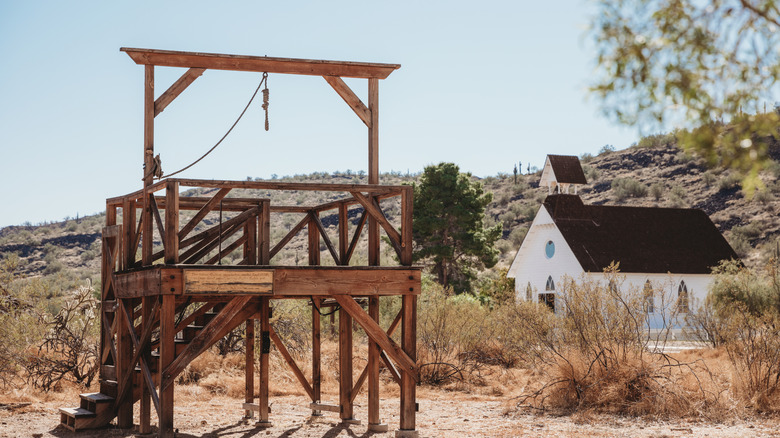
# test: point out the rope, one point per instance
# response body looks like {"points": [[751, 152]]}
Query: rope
{"points": [[265, 107], [265, 99]]}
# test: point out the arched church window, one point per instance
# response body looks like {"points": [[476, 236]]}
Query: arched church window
{"points": [[682, 297], [649, 297]]}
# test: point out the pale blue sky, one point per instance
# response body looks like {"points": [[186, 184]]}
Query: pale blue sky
{"points": [[482, 84]]}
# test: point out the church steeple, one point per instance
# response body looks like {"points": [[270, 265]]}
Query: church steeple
{"points": [[563, 172]]}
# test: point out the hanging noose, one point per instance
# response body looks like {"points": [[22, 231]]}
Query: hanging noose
{"points": [[265, 98]]}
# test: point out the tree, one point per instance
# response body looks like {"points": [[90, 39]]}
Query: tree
{"points": [[449, 211], [704, 65]]}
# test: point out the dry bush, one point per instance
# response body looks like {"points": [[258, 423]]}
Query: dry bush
{"points": [[69, 349], [595, 354], [458, 338]]}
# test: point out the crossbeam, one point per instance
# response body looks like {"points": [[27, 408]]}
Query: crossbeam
{"points": [[260, 64]]}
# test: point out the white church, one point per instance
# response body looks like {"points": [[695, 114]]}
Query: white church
{"points": [[668, 253]]}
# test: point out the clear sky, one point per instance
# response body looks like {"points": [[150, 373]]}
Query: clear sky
{"points": [[482, 84]]}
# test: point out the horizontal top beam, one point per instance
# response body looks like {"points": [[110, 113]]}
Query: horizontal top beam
{"points": [[170, 58]]}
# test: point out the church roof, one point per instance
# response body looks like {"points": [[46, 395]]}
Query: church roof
{"points": [[641, 239], [567, 169]]}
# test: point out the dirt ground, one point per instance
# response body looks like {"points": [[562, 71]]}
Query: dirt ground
{"points": [[199, 413]]}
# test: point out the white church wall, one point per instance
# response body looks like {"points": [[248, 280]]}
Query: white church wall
{"points": [[533, 266]]}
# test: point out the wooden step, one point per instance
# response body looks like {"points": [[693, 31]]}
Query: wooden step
{"points": [[96, 401], [76, 418], [108, 387], [191, 331]]}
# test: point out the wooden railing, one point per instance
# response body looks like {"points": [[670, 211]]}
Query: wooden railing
{"points": [[162, 215]]}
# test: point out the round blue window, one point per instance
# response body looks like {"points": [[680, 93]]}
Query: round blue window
{"points": [[549, 249]]}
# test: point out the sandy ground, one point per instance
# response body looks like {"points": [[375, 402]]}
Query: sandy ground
{"points": [[442, 414]]}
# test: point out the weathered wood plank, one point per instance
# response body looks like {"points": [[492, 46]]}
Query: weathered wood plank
{"points": [[171, 235], [176, 89], [236, 282], [345, 280], [350, 98], [219, 61], [408, 377], [355, 238], [345, 364]]}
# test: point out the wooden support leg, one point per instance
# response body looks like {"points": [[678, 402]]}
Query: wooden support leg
{"points": [[265, 330], [374, 423], [409, 345], [145, 425], [167, 352], [316, 360], [345, 367], [249, 369], [125, 355]]}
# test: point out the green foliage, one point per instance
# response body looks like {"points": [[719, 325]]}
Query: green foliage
{"points": [[628, 188], [758, 292], [658, 140], [496, 288], [657, 190], [706, 62], [606, 149], [449, 212]]}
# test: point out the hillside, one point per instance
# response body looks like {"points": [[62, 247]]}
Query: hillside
{"points": [[68, 252]]}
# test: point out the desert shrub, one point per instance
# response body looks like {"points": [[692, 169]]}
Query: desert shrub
{"points": [[69, 349], [595, 353], [586, 158], [456, 338], [628, 188], [591, 173], [708, 178], [657, 190], [730, 181], [606, 149], [763, 196], [658, 140], [747, 309], [517, 236], [495, 288]]}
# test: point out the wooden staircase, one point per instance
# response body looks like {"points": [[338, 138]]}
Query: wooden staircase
{"points": [[98, 409]]}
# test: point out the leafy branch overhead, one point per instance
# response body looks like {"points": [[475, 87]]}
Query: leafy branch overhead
{"points": [[709, 66], [449, 213]]}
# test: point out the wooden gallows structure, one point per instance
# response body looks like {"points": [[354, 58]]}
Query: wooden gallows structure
{"points": [[168, 292]]}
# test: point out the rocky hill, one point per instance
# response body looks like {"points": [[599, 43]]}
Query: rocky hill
{"points": [[660, 175]]}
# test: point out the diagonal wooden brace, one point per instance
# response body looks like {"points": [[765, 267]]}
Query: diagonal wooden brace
{"points": [[373, 209], [235, 312], [378, 335]]}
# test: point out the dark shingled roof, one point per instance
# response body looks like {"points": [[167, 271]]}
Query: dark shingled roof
{"points": [[567, 169], [652, 240]]}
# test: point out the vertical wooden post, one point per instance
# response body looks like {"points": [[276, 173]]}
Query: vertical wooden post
{"points": [[264, 233], [148, 238], [373, 167], [345, 366], [145, 422], [124, 355], [265, 329], [409, 345], [167, 352], [374, 422], [314, 241], [128, 225], [171, 222], [343, 234], [316, 358], [373, 131], [250, 247], [407, 209], [249, 368]]}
